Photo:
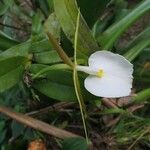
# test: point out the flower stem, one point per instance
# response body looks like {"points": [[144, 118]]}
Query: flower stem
{"points": [[76, 82]]}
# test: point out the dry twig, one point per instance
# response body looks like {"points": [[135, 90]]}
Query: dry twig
{"points": [[37, 124]]}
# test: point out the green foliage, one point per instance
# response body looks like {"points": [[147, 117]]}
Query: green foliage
{"points": [[6, 41], [67, 17], [108, 38], [33, 69], [54, 85]]}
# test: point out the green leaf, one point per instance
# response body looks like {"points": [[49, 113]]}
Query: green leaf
{"points": [[66, 12], [48, 57], [6, 42], [11, 78], [109, 37], [37, 23], [18, 50], [11, 64], [137, 49], [57, 85], [40, 46], [4, 6], [52, 25], [35, 68], [142, 96], [144, 35], [74, 144]]}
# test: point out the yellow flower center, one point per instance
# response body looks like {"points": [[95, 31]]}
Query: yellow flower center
{"points": [[100, 73]]}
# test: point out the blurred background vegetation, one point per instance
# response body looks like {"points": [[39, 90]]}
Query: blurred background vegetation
{"points": [[31, 77]]}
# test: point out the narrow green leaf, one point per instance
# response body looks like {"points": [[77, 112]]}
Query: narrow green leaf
{"points": [[136, 50], [66, 12], [109, 37], [144, 35], [142, 96]]}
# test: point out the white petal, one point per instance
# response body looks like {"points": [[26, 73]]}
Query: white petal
{"points": [[111, 63], [108, 86]]}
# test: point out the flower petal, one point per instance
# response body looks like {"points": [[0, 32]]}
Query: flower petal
{"points": [[109, 87], [111, 63]]}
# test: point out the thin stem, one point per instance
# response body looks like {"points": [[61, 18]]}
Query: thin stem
{"points": [[76, 81], [60, 51]]}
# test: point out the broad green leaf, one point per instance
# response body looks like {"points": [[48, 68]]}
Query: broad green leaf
{"points": [[66, 12], [136, 50], [11, 78], [6, 42], [11, 71], [35, 68], [18, 50], [57, 82], [52, 25], [10, 64], [58, 85], [40, 46], [90, 10], [49, 57], [74, 144], [109, 37]]}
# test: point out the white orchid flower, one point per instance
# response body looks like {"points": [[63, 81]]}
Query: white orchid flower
{"points": [[110, 75]]}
